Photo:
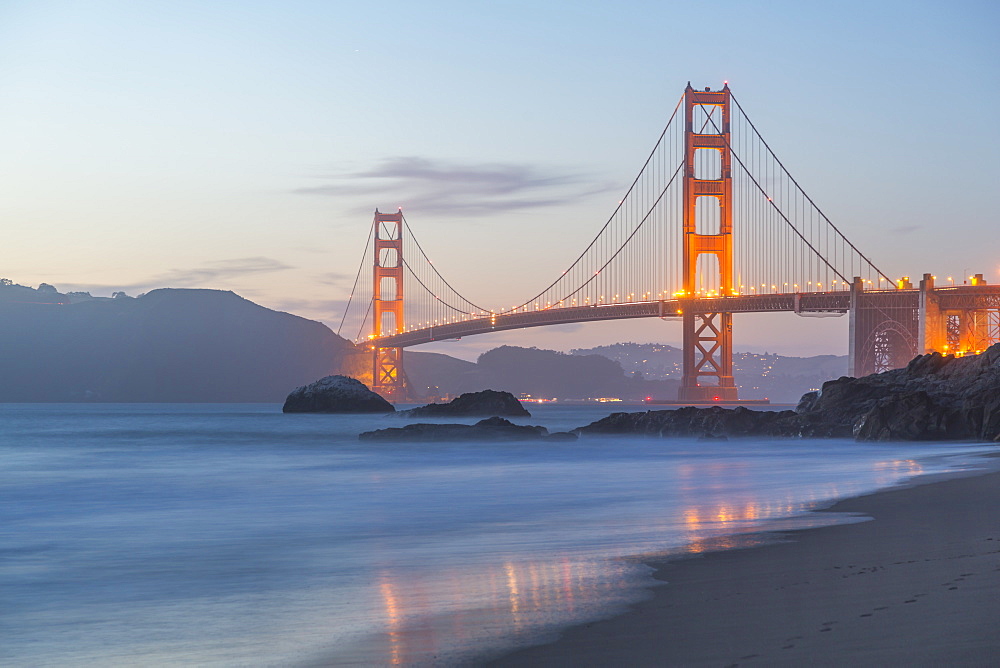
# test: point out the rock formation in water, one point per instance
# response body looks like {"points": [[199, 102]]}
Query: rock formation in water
{"points": [[474, 404], [700, 422], [490, 429], [335, 394], [935, 397]]}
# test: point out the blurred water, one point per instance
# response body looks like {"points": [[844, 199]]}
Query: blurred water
{"points": [[235, 535]]}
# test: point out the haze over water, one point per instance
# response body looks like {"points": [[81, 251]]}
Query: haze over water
{"points": [[233, 534]]}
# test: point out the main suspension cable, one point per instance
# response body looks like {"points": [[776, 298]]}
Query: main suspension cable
{"points": [[804, 193], [443, 279], [613, 215], [364, 255]]}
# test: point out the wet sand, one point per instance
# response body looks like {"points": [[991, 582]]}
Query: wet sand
{"points": [[917, 586]]}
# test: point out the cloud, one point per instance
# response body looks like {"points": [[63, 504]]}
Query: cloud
{"points": [[218, 271], [215, 274], [336, 278], [326, 310], [455, 189]]}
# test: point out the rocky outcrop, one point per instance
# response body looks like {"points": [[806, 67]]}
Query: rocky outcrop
{"points": [[490, 429], [335, 394], [474, 404], [714, 423], [935, 397]]}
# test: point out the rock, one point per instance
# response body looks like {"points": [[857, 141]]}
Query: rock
{"points": [[935, 397], [912, 416], [562, 436], [712, 423], [490, 429], [335, 394], [474, 404]]}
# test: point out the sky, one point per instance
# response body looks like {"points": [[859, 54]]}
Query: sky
{"points": [[244, 145]]}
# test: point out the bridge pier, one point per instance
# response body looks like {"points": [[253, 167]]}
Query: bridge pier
{"points": [[708, 352], [888, 328], [884, 328], [933, 323], [960, 319]]}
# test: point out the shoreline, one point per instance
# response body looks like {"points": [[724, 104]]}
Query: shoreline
{"points": [[919, 584]]}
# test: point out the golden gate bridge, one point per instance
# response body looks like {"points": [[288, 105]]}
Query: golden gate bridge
{"points": [[714, 224]]}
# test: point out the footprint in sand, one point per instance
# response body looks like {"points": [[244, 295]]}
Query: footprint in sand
{"points": [[882, 607]]}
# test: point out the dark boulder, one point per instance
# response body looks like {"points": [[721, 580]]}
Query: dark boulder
{"points": [[935, 397], [711, 423], [910, 416], [490, 429], [474, 404], [335, 394], [562, 436]]}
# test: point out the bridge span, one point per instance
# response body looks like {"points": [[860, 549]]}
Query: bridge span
{"points": [[713, 225], [887, 327], [814, 302]]}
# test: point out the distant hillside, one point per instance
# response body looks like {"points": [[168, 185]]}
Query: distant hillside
{"points": [[758, 375], [540, 373], [181, 345], [166, 346]]}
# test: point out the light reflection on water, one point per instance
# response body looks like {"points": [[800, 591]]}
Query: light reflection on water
{"points": [[236, 535]]}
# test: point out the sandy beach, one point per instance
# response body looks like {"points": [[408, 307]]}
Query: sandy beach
{"points": [[919, 585]]}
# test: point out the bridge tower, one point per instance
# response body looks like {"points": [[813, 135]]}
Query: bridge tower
{"points": [[388, 378], [708, 245]]}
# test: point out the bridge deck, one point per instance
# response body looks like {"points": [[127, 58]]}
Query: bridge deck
{"points": [[810, 302], [949, 298]]}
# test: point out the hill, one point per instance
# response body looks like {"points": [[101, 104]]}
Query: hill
{"points": [[780, 378], [540, 373], [170, 345]]}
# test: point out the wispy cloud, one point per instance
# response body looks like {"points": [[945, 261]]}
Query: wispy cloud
{"points": [[457, 189], [218, 271], [215, 274], [336, 278], [327, 310]]}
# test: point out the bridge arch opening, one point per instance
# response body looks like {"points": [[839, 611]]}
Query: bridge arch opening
{"points": [[708, 164], [707, 215], [389, 324], [889, 346], [387, 286], [388, 257], [709, 275]]}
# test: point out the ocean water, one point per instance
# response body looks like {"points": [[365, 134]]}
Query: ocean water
{"points": [[235, 535]]}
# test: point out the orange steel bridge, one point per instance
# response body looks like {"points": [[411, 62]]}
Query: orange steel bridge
{"points": [[713, 225]]}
